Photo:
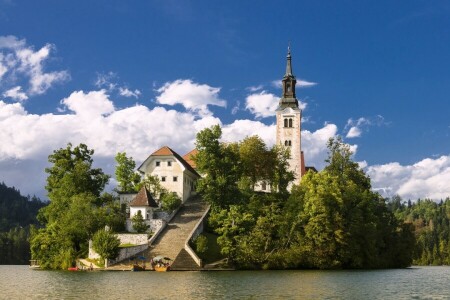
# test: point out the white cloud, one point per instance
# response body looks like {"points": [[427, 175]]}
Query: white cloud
{"points": [[262, 105], [16, 94], [358, 126], [123, 91], [91, 105], [427, 178], [19, 61], [314, 145], [255, 88], [300, 83], [193, 96], [305, 84], [353, 132], [240, 129]]}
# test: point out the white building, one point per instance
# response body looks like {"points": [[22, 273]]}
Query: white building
{"points": [[174, 173], [144, 204]]}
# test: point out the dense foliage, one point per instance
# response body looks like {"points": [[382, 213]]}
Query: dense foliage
{"points": [[138, 222], [431, 223], [170, 201], [331, 220], [126, 176], [17, 213], [106, 244], [77, 208]]}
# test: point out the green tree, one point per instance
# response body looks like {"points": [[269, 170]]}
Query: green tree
{"points": [[126, 176], [170, 201], [76, 210], [221, 165], [138, 222], [106, 244]]}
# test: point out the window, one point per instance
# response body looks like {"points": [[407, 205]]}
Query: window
{"points": [[290, 122], [169, 163], [163, 178], [285, 122], [175, 178], [290, 143], [263, 186], [285, 143], [158, 163]]}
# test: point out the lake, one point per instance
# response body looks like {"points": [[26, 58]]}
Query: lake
{"points": [[19, 282]]}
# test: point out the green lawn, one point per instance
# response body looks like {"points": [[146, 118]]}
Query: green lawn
{"points": [[213, 252]]}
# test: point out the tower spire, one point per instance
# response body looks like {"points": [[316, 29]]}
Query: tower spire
{"points": [[288, 98], [289, 63]]}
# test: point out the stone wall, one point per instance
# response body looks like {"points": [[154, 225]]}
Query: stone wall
{"points": [[126, 253], [155, 224], [133, 238]]}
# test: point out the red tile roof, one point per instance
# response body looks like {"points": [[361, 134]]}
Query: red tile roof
{"points": [[143, 198], [189, 158], [166, 151]]}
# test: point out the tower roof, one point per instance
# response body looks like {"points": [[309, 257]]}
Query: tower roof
{"points": [[289, 64], [143, 198], [288, 98]]}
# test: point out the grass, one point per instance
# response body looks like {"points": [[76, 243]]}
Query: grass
{"points": [[126, 245], [212, 254]]}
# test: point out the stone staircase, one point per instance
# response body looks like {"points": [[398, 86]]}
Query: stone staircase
{"points": [[170, 242]]}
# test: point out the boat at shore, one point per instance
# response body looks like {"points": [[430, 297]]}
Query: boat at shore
{"points": [[161, 264]]}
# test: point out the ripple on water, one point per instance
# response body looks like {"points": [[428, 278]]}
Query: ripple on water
{"points": [[18, 282]]}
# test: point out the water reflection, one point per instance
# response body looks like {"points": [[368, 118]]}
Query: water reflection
{"points": [[18, 282]]}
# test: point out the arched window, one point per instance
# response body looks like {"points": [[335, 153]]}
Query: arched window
{"points": [[290, 144], [286, 143], [290, 122], [285, 122]]}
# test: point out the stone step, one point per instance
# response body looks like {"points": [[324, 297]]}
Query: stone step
{"points": [[184, 262]]}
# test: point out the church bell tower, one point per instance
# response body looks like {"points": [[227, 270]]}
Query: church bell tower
{"points": [[289, 117]]}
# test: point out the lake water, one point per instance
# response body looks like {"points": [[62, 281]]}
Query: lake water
{"points": [[19, 282]]}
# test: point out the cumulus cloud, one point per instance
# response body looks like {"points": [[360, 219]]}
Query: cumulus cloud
{"points": [[19, 61], [427, 178], [314, 145], [92, 119], [356, 127], [16, 94], [193, 96], [262, 104]]}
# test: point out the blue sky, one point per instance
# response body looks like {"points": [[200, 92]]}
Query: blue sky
{"points": [[133, 76]]}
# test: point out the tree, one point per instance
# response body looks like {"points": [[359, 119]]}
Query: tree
{"points": [[221, 165], [106, 244], [125, 173], [138, 222], [76, 210], [170, 201]]}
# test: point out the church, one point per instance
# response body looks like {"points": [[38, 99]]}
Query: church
{"points": [[178, 173]]}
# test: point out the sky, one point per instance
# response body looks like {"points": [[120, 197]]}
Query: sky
{"points": [[134, 76]]}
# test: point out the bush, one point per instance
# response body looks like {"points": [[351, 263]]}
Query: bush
{"points": [[138, 223], [106, 244], [170, 201], [201, 244]]}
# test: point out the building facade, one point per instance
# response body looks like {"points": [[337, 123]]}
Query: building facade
{"points": [[173, 172]]}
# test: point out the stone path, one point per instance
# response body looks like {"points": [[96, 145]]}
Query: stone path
{"points": [[170, 242]]}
